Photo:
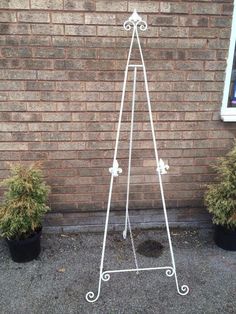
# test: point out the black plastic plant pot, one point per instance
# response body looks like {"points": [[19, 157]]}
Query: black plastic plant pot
{"points": [[225, 238], [26, 250]]}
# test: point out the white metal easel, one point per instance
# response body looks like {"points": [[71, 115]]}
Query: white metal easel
{"points": [[135, 22]]}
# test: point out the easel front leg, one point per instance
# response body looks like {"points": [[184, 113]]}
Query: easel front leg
{"points": [[90, 296], [182, 290]]}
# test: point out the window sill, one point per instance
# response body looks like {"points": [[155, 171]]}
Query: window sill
{"points": [[228, 115]]}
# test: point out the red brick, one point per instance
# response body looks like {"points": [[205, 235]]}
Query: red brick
{"points": [[36, 64], [83, 53], [49, 53], [202, 54], [70, 86], [220, 22], [52, 75], [80, 30], [36, 85], [11, 85], [7, 16], [43, 146], [82, 5], [193, 21], [147, 6], [191, 43], [195, 116], [200, 76], [174, 32], [71, 146], [190, 65], [33, 17], [170, 7], [203, 32], [47, 29], [56, 136], [47, 4], [18, 29], [24, 96], [42, 126], [26, 116], [62, 41], [23, 52], [12, 106], [67, 18], [52, 116], [40, 106], [215, 65], [100, 18], [163, 20], [162, 42], [105, 5], [15, 4], [206, 8]]}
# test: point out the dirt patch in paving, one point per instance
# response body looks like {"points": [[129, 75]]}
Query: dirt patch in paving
{"points": [[150, 248]]}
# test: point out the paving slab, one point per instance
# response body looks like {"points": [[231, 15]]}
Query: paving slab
{"points": [[68, 268]]}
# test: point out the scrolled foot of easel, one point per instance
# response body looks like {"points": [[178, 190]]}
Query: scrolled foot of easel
{"points": [[90, 297], [183, 290]]}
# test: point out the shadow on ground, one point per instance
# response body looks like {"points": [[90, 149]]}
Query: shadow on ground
{"points": [[68, 268]]}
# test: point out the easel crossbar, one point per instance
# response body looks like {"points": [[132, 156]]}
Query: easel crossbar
{"points": [[135, 66], [170, 268]]}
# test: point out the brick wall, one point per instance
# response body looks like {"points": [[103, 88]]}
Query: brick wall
{"points": [[62, 66]]}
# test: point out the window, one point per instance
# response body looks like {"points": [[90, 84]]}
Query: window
{"points": [[228, 109]]}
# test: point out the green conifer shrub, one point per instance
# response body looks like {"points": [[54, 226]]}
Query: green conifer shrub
{"points": [[220, 197], [24, 203]]}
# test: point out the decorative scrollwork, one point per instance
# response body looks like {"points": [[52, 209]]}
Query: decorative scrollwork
{"points": [[128, 25], [105, 276], [170, 272], [135, 21], [115, 170], [162, 167], [183, 290], [90, 297]]}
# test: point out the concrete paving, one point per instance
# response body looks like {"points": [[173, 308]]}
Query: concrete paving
{"points": [[68, 267]]}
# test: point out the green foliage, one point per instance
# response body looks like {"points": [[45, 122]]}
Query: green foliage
{"points": [[220, 198], [23, 207]]}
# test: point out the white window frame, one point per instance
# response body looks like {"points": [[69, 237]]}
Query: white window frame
{"points": [[229, 114]]}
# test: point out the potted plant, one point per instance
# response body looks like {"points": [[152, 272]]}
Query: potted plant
{"points": [[220, 199], [22, 211]]}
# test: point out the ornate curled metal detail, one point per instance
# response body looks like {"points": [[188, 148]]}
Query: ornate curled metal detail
{"points": [[105, 276], [90, 297], [128, 25], [135, 21], [162, 168], [142, 25], [170, 272], [183, 290], [115, 170]]}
